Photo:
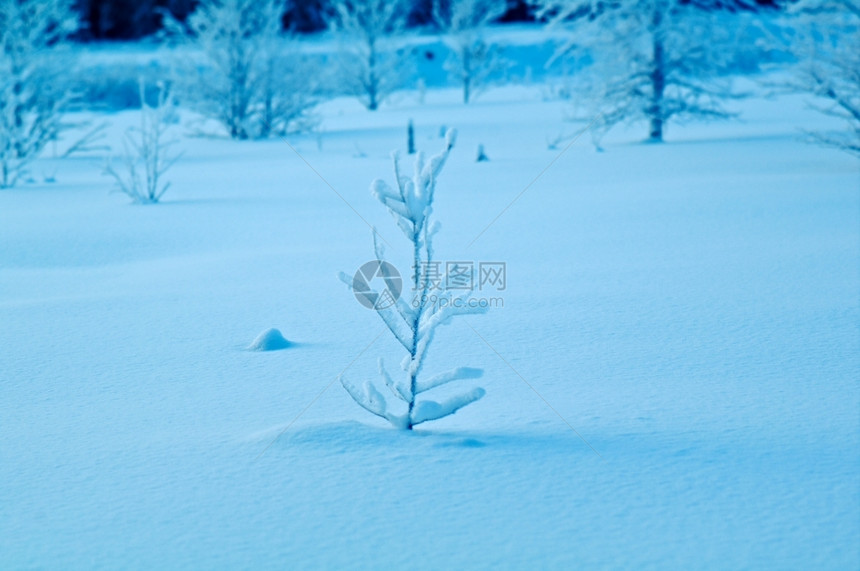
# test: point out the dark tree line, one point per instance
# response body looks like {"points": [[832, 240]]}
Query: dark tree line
{"points": [[132, 19], [127, 19]]}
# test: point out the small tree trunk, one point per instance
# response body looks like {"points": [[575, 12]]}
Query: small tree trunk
{"points": [[266, 123], [372, 80], [268, 105], [467, 76], [372, 95], [416, 261], [481, 156], [658, 78], [18, 114], [656, 132]]}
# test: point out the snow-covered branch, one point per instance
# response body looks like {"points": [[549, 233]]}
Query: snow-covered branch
{"points": [[432, 410]]}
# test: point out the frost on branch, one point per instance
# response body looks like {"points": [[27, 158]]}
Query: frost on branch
{"points": [[824, 37], [410, 203], [655, 61], [33, 93]]}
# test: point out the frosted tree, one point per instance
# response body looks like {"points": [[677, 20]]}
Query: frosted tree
{"points": [[825, 38], [414, 325], [473, 60], [148, 152], [32, 90], [372, 66], [254, 84], [655, 60]]}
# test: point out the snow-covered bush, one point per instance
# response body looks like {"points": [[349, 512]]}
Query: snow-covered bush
{"points": [[654, 60], [825, 38], [372, 66], [473, 59], [253, 82], [148, 153], [414, 325], [32, 68]]}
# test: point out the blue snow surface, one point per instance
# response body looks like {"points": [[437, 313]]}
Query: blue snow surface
{"points": [[672, 381]]}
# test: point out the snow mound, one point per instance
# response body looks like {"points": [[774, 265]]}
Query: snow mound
{"points": [[269, 340]]}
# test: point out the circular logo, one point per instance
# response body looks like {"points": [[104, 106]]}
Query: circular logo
{"points": [[377, 285]]}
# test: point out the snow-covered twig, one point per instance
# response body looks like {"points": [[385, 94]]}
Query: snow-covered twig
{"points": [[146, 150], [88, 142]]}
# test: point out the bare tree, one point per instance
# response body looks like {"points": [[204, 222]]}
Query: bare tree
{"points": [[825, 38], [253, 82], [473, 59], [148, 153], [372, 66], [656, 60], [414, 325], [32, 91]]}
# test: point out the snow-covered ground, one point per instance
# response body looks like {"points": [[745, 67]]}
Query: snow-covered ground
{"points": [[690, 310]]}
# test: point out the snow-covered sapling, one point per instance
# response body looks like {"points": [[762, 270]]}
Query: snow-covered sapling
{"points": [[372, 66], [147, 150], [414, 325], [473, 60]]}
